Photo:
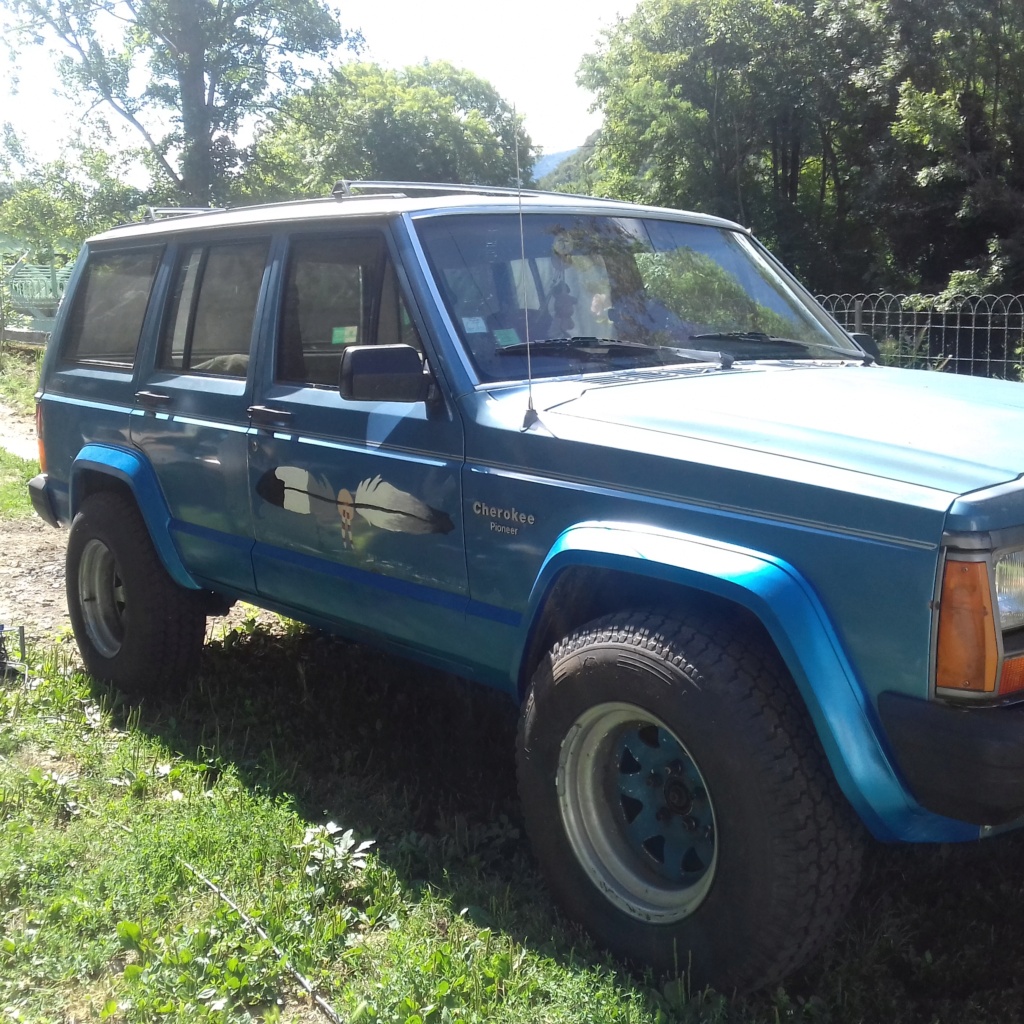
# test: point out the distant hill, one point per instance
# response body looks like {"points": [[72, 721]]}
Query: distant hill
{"points": [[549, 161], [574, 170]]}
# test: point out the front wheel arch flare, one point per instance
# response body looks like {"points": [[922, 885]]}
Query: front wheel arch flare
{"points": [[782, 848], [790, 613]]}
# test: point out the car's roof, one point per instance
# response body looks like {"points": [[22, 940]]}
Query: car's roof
{"points": [[385, 204]]}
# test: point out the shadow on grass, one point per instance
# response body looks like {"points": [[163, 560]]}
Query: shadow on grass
{"points": [[423, 763], [420, 761]]}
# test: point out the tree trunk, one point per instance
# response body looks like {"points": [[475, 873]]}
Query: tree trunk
{"points": [[794, 156], [189, 46]]}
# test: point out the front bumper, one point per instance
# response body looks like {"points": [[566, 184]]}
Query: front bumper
{"points": [[41, 501], [964, 763]]}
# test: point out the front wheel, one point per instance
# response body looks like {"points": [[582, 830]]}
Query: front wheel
{"points": [[135, 627], [679, 802]]}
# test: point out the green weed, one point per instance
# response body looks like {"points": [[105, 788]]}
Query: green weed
{"points": [[309, 809], [15, 474], [19, 376], [911, 352]]}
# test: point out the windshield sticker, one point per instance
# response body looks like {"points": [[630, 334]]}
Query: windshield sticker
{"points": [[507, 337], [474, 325], [344, 335], [375, 502]]}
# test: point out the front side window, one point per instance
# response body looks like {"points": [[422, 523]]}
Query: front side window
{"points": [[213, 306], [109, 306], [339, 291], [583, 293]]}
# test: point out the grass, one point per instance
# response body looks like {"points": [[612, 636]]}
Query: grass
{"points": [[108, 818], [15, 474], [19, 373], [19, 376], [269, 775]]}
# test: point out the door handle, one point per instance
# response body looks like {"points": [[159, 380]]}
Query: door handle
{"points": [[152, 399], [264, 416]]}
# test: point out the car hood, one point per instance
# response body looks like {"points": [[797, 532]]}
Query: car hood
{"points": [[935, 431]]}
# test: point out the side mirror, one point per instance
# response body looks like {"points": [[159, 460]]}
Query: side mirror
{"points": [[869, 345], [382, 373]]}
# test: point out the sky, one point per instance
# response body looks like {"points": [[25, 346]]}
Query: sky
{"points": [[529, 51]]}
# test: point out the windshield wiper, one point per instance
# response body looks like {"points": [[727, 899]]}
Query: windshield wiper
{"points": [[576, 341], [587, 342], [768, 339]]}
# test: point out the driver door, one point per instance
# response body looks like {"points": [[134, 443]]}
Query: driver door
{"points": [[356, 504]]}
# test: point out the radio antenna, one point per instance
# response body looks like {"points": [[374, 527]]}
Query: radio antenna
{"points": [[531, 413]]}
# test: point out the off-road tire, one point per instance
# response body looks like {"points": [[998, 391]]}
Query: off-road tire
{"points": [[135, 627], [786, 852]]}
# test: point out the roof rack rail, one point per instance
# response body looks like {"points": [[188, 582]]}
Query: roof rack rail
{"points": [[344, 189], [155, 213]]}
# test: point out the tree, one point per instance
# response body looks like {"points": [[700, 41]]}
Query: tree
{"points": [[695, 92], [183, 73], [50, 209], [874, 143], [959, 130], [428, 122]]}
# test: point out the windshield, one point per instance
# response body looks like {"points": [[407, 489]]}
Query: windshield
{"points": [[593, 293]]}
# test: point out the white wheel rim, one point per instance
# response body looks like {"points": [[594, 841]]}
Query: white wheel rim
{"points": [[637, 812], [101, 598]]}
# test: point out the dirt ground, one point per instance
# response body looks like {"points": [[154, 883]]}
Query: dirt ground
{"points": [[31, 553]]}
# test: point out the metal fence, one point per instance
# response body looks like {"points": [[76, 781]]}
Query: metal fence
{"points": [[36, 288], [979, 335]]}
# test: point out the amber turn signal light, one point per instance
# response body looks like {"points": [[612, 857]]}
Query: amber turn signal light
{"points": [[1011, 679], [968, 653], [39, 438]]}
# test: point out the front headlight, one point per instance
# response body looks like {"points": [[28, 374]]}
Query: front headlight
{"points": [[1010, 590]]}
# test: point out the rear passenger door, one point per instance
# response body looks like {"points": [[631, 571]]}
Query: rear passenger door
{"points": [[357, 507], [191, 406]]}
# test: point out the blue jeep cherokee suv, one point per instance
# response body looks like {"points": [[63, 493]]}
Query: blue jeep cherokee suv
{"points": [[756, 595]]}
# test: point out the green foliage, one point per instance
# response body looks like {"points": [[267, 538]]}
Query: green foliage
{"points": [[9, 316], [19, 376], [875, 144], [912, 353], [576, 173], [428, 122], [52, 208], [183, 75], [15, 474]]}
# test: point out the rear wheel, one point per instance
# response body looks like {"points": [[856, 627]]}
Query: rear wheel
{"points": [[679, 802], [135, 627]]}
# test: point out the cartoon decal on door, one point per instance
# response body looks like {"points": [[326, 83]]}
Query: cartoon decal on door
{"points": [[375, 501]]}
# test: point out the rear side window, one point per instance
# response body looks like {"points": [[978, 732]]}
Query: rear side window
{"points": [[213, 305], [109, 306]]}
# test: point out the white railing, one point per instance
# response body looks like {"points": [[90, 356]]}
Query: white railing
{"points": [[980, 335]]}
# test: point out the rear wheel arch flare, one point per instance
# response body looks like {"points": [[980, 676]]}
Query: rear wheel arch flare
{"points": [[102, 467]]}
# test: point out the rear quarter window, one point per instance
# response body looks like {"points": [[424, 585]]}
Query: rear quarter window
{"points": [[109, 306]]}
